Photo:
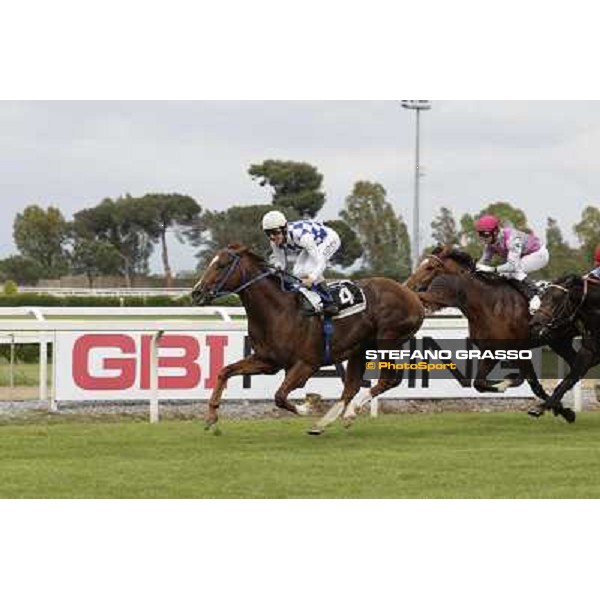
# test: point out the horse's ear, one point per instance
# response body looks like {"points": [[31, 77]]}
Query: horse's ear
{"points": [[237, 247]]}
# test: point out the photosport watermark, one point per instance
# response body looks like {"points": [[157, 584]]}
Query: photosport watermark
{"points": [[422, 359]]}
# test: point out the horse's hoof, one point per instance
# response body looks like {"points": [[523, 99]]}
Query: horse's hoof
{"points": [[348, 421], [209, 423], [535, 412], [303, 410], [315, 431], [568, 415]]}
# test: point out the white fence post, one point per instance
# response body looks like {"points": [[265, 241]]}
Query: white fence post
{"points": [[154, 342], [44, 371]]}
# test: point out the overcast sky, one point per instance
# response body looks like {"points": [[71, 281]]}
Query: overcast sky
{"points": [[541, 156]]}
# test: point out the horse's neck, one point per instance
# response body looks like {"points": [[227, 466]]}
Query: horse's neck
{"points": [[265, 299], [590, 309]]}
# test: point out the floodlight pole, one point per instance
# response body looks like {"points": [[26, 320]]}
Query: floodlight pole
{"points": [[417, 106]]}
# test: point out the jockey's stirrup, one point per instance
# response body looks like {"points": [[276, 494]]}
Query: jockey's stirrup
{"points": [[330, 308], [528, 288]]}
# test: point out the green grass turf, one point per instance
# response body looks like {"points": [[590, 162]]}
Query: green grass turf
{"points": [[442, 455]]}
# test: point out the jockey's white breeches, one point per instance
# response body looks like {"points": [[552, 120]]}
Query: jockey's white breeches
{"points": [[307, 265], [528, 264]]}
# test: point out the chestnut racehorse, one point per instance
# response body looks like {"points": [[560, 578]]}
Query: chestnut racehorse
{"points": [[498, 316], [282, 336]]}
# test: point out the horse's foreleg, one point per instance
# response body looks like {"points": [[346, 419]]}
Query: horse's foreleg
{"points": [[251, 365], [564, 348], [480, 383], [529, 373], [585, 360], [295, 377]]}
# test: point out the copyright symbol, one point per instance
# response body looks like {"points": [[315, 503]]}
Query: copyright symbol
{"points": [[370, 365]]}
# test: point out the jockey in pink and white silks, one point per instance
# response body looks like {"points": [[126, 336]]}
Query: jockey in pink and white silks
{"points": [[523, 253], [595, 272], [312, 242]]}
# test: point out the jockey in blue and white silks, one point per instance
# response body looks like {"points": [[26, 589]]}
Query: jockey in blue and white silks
{"points": [[312, 242]]}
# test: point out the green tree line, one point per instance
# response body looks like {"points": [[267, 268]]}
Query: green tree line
{"points": [[117, 236]]}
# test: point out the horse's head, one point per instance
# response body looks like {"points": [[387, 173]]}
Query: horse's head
{"points": [[444, 260], [560, 302], [228, 271]]}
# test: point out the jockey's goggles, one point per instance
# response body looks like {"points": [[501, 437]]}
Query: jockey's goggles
{"points": [[273, 232]]}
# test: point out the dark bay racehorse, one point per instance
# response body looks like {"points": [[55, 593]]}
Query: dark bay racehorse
{"points": [[572, 300], [498, 316], [283, 337]]}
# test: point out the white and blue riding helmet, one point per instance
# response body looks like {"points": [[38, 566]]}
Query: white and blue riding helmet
{"points": [[274, 219]]}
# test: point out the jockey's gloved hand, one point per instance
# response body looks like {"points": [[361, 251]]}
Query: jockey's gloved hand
{"points": [[485, 268]]}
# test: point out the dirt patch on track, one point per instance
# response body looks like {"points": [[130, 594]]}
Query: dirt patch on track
{"points": [[20, 407]]}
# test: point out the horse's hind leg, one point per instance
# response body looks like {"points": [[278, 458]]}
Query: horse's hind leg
{"points": [[383, 384], [389, 379], [352, 381]]}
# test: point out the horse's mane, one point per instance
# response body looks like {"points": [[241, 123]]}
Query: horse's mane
{"points": [[570, 280], [466, 260], [245, 250], [460, 256], [286, 280]]}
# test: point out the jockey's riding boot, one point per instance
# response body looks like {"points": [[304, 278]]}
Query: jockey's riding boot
{"points": [[330, 308], [527, 288]]}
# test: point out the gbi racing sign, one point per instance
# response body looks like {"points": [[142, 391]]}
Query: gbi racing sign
{"points": [[117, 366]]}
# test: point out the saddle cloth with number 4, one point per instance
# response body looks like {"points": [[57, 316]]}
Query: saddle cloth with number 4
{"points": [[348, 296]]}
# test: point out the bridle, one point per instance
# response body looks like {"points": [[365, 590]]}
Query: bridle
{"points": [[564, 314], [217, 289]]}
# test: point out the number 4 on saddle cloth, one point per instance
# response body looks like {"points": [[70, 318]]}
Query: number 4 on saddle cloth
{"points": [[347, 295], [349, 298]]}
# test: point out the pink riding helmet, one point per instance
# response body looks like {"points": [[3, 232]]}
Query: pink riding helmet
{"points": [[487, 223], [597, 256]]}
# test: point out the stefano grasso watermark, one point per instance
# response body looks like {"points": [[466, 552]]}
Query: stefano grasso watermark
{"points": [[428, 358]]}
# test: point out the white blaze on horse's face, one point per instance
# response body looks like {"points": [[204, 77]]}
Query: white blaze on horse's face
{"points": [[210, 264]]}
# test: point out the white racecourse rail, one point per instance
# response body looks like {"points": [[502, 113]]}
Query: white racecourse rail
{"points": [[178, 355]]}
